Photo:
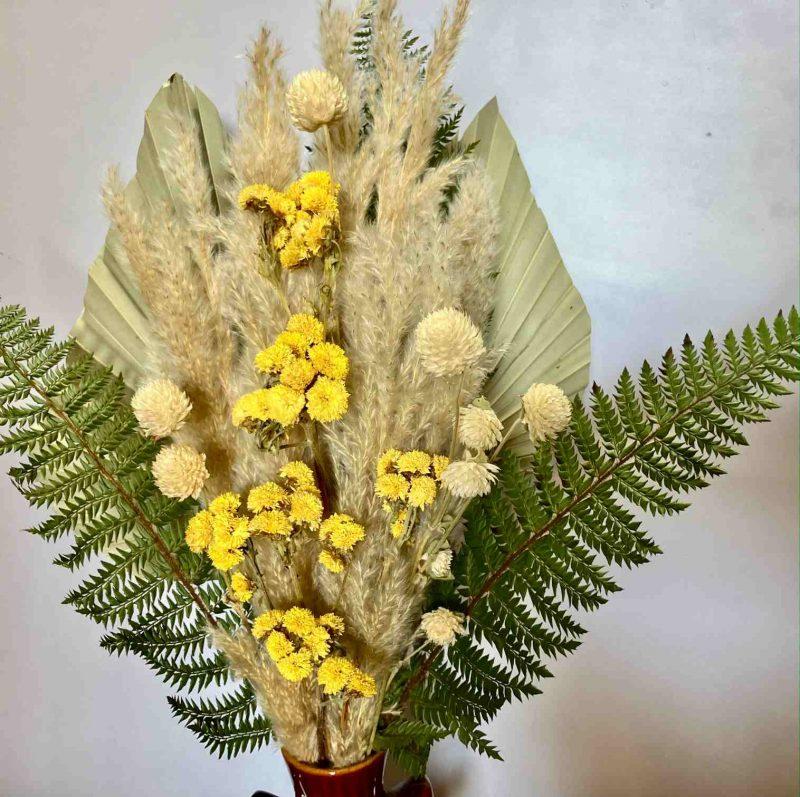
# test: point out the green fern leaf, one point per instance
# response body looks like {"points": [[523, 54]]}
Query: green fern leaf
{"points": [[83, 458], [528, 558]]}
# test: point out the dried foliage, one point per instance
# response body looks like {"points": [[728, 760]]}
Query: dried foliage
{"points": [[436, 596]]}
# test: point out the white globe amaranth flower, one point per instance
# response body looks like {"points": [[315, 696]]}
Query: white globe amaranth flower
{"points": [[468, 478], [479, 428], [441, 626], [160, 407], [547, 411], [448, 342], [316, 98], [180, 471], [441, 564]]}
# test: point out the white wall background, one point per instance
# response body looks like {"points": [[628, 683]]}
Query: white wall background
{"points": [[661, 137]]}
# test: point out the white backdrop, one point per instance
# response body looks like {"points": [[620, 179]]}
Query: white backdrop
{"points": [[661, 138]]}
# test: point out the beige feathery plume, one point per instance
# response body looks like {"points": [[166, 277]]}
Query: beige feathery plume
{"points": [[385, 286], [546, 411], [290, 707], [316, 98], [180, 471], [160, 407], [448, 343], [263, 117]]}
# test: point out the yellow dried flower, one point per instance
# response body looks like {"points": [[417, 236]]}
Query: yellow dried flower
{"points": [[298, 374], [221, 523], [318, 641], [333, 622], [262, 197], [281, 238], [307, 325], [388, 460], [422, 492], [199, 531], [266, 496], [399, 523], [300, 475], [305, 507], [241, 588], [274, 358], [296, 666], [440, 462], [330, 360], [295, 190], [282, 205], [362, 683], [272, 522], [414, 462], [320, 200], [295, 253], [315, 98], [317, 179], [317, 234], [307, 213], [279, 645], [296, 341], [334, 674], [254, 197], [301, 221], [327, 400], [226, 503], [224, 557], [299, 620], [250, 406], [283, 404], [392, 486], [331, 562], [228, 531], [341, 531], [266, 621], [239, 532]]}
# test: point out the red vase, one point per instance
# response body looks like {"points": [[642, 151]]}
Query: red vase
{"points": [[364, 779]]}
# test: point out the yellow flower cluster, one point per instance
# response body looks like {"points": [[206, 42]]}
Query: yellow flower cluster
{"points": [[407, 479], [306, 373], [306, 216], [298, 643], [280, 508], [338, 672], [338, 534], [220, 532]]}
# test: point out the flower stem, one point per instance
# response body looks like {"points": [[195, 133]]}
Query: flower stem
{"points": [[506, 438], [456, 422]]}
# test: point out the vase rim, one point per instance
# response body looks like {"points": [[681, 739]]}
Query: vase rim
{"points": [[310, 769]]}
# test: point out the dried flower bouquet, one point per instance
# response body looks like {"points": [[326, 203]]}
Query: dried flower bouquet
{"points": [[337, 484]]}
